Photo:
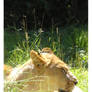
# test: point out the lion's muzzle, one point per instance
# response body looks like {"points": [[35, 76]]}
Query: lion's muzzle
{"points": [[71, 78]]}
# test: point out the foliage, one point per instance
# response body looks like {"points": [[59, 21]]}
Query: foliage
{"points": [[43, 13], [82, 75], [70, 44]]}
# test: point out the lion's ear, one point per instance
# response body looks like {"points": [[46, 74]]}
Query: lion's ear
{"points": [[47, 50], [33, 53]]}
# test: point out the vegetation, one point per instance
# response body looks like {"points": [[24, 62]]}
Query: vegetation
{"points": [[58, 24], [82, 75], [42, 13], [69, 43]]}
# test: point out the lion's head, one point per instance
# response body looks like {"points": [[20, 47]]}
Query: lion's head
{"points": [[47, 63]]}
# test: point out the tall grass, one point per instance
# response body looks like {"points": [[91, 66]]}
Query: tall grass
{"points": [[70, 44]]}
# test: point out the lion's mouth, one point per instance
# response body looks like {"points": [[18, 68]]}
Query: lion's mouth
{"points": [[70, 76], [61, 90]]}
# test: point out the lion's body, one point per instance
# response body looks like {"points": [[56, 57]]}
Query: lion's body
{"points": [[21, 72], [47, 64]]}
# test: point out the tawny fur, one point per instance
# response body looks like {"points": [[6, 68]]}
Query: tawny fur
{"points": [[49, 64], [7, 70], [45, 63]]}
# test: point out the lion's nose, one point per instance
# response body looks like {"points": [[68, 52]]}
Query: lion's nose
{"points": [[72, 78], [76, 82]]}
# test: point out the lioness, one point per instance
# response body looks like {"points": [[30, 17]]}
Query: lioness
{"points": [[49, 64], [46, 63]]}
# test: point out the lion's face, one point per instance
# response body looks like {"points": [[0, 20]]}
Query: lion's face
{"points": [[50, 65]]}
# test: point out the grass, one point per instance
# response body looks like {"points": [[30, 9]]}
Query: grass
{"points": [[82, 75], [70, 44]]}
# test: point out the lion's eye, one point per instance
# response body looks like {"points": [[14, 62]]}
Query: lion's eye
{"points": [[63, 71], [38, 65]]}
